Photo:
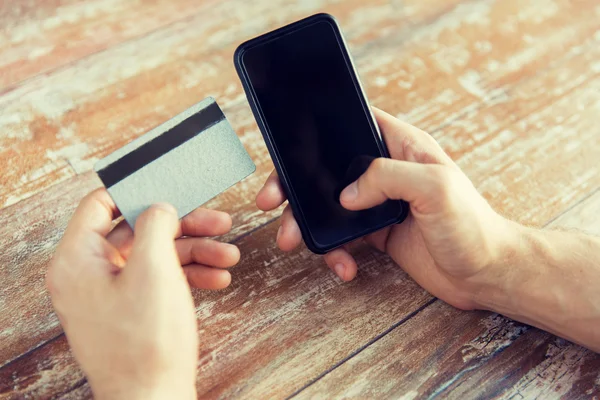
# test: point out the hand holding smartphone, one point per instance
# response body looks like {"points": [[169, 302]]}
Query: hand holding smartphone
{"points": [[311, 109]]}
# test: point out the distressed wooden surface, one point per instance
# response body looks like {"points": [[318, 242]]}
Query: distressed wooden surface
{"points": [[511, 90], [423, 103], [236, 371]]}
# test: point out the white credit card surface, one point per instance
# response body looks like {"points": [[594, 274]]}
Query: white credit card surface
{"points": [[186, 161]]}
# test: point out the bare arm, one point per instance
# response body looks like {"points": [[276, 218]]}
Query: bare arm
{"points": [[551, 280]]}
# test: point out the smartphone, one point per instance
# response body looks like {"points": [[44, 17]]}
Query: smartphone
{"points": [[317, 124]]}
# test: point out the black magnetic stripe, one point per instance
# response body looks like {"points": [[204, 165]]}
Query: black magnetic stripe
{"points": [[167, 141]]}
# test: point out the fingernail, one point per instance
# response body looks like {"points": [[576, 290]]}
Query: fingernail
{"points": [[279, 232], [166, 207], [350, 193], [340, 270]]}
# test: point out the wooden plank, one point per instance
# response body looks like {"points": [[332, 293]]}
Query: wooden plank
{"points": [[28, 237], [505, 148], [39, 36], [583, 218], [255, 337], [453, 354], [37, 375], [82, 392], [98, 104], [444, 352], [442, 70]]}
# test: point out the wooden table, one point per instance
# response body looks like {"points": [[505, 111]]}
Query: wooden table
{"points": [[510, 89]]}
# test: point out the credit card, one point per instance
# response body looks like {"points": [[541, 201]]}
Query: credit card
{"points": [[186, 161]]}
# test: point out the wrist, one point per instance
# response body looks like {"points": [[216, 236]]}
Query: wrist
{"points": [[546, 279], [496, 287]]}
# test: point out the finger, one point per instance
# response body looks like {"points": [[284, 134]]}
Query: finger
{"points": [[288, 236], [205, 222], [271, 195], [84, 240], [394, 179], [409, 143], [200, 222], [379, 239], [342, 263], [121, 237], [95, 213], [204, 277], [153, 253], [79, 263], [207, 251]]}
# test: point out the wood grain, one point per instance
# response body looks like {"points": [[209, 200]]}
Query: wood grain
{"points": [[28, 237], [39, 36], [257, 328], [471, 354], [584, 218], [462, 72], [447, 353], [472, 54], [55, 356], [87, 109], [96, 105]]}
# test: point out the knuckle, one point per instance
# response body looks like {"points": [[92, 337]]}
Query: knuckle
{"points": [[187, 225], [91, 197], [379, 164], [445, 182], [150, 215], [378, 168]]}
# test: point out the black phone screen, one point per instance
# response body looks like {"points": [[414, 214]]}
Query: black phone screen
{"points": [[315, 114]]}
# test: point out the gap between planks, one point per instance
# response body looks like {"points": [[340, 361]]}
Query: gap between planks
{"points": [[363, 347]]}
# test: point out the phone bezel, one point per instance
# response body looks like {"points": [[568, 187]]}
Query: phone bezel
{"points": [[309, 240]]}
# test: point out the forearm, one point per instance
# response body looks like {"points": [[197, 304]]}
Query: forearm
{"points": [[551, 280]]}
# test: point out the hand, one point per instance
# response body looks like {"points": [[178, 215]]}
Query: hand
{"points": [[123, 299], [451, 238]]}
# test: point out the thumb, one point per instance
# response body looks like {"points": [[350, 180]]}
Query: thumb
{"points": [[397, 180], [153, 250]]}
